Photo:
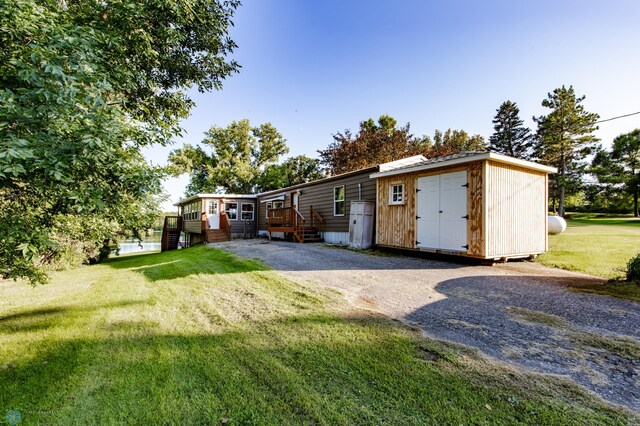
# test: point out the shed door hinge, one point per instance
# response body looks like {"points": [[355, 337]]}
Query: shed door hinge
{"points": [[466, 185], [466, 246], [465, 217], [417, 243], [417, 217], [418, 189]]}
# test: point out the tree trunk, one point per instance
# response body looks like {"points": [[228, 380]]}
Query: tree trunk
{"points": [[561, 186], [635, 204]]}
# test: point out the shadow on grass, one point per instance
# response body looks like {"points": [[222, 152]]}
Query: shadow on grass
{"points": [[198, 260], [40, 319], [302, 370]]}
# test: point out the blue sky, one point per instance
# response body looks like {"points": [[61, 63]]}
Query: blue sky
{"points": [[313, 68]]}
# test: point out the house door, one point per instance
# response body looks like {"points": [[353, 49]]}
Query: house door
{"points": [[442, 211], [295, 198], [213, 214]]}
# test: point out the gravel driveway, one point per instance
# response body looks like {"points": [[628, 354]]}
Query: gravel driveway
{"points": [[520, 312]]}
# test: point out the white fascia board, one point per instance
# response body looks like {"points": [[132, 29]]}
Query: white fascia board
{"points": [[195, 197], [521, 163]]}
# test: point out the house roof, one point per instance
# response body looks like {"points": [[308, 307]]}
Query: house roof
{"points": [[230, 196], [382, 167], [327, 179], [462, 158]]}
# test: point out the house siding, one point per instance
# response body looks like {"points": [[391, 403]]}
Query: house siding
{"points": [[320, 196], [240, 228]]}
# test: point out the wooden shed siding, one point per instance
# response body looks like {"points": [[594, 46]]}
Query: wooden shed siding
{"points": [[398, 222], [475, 209], [516, 220]]}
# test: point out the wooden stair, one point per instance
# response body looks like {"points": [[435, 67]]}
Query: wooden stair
{"points": [[216, 235], [171, 233], [309, 235]]}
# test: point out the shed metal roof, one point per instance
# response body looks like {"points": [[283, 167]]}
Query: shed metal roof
{"points": [[461, 158]]}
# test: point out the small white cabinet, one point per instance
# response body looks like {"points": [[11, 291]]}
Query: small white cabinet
{"points": [[361, 224]]}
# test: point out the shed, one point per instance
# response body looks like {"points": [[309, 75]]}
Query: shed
{"points": [[476, 204]]}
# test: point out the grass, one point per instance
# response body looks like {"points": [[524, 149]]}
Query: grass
{"points": [[595, 244], [621, 290], [199, 336], [536, 317]]}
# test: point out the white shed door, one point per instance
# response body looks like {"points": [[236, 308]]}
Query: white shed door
{"points": [[428, 212], [442, 211]]}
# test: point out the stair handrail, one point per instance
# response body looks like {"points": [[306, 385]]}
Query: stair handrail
{"points": [[298, 224], [315, 216], [226, 224]]}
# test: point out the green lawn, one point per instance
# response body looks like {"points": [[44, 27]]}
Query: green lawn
{"points": [[595, 244], [199, 336]]}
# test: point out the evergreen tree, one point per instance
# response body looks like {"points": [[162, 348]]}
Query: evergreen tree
{"points": [[564, 138], [511, 137], [620, 167]]}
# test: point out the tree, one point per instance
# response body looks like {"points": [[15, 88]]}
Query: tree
{"points": [[293, 171], [239, 155], [374, 144], [510, 136], [454, 142], [564, 138], [83, 87], [620, 167]]}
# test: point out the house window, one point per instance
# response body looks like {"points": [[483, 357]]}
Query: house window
{"points": [[232, 210], [274, 205], [396, 194], [192, 211], [247, 211], [338, 200]]}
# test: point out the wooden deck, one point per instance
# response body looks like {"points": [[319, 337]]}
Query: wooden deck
{"points": [[291, 222]]}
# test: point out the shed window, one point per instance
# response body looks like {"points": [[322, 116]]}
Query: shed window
{"points": [[232, 210], [247, 211], [396, 194], [338, 200]]}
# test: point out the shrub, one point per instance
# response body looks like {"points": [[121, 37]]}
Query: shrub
{"points": [[633, 269]]}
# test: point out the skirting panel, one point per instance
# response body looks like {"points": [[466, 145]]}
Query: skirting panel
{"points": [[340, 238]]}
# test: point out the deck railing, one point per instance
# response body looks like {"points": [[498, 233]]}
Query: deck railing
{"points": [[280, 217], [298, 225]]}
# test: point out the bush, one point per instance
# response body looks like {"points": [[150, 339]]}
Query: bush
{"points": [[633, 269]]}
